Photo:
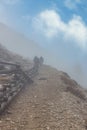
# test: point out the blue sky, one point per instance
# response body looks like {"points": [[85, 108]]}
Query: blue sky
{"points": [[60, 26]]}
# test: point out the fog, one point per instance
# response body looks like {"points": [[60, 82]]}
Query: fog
{"points": [[28, 48]]}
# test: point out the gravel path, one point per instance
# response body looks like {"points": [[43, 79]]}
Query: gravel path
{"points": [[45, 105]]}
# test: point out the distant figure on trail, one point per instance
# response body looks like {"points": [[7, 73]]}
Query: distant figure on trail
{"points": [[36, 61], [41, 60]]}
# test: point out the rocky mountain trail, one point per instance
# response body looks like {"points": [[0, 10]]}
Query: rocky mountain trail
{"points": [[46, 105]]}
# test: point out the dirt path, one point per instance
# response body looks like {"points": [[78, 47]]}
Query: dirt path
{"points": [[43, 106]]}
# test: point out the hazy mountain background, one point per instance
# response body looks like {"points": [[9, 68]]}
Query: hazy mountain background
{"points": [[19, 44], [20, 47]]}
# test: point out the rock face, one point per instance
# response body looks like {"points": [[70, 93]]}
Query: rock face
{"points": [[53, 102], [12, 80], [13, 75], [10, 84]]}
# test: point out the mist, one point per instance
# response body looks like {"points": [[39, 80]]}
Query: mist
{"points": [[20, 44]]}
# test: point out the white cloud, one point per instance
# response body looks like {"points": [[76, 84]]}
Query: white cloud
{"points": [[49, 23], [72, 4], [77, 30]]}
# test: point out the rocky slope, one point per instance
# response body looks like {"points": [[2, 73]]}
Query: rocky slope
{"points": [[53, 102], [6, 55]]}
